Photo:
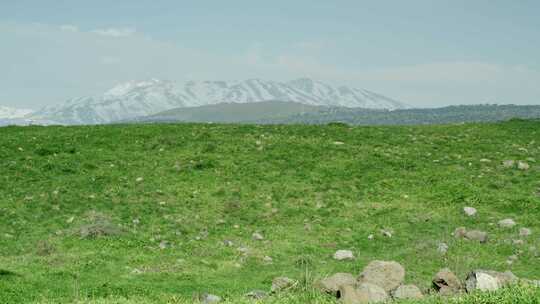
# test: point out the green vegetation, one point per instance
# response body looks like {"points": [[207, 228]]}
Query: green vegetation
{"points": [[140, 213]]}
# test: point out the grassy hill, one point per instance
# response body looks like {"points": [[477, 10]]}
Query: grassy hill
{"points": [[156, 213], [234, 112], [279, 112]]}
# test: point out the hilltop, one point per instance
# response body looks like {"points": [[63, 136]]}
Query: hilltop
{"points": [[157, 213]]}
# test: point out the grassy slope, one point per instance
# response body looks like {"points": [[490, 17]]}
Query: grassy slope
{"points": [[414, 180]]}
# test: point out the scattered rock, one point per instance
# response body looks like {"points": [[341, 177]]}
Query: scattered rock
{"points": [[509, 163], [486, 280], [387, 233], [373, 293], [388, 275], [460, 232], [338, 143], [485, 160], [446, 282], [268, 260], [523, 166], [349, 295], [163, 245], [139, 180], [341, 255], [257, 236], [206, 298], [407, 292], [476, 235], [507, 223], [470, 211], [525, 232], [228, 243], [481, 281], [256, 294], [518, 242], [98, 225], [370, 237], [282, 283], [332, 283], [442, 248]]}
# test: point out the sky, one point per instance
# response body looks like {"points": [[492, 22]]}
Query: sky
{"points": [[426, 53]]}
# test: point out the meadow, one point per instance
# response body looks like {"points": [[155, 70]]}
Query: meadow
{"points": [[159, 213]]}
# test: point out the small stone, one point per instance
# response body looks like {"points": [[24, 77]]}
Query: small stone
{"points": [[470, 211], [460, 232], [282, 283], [338, 143], [507, 223], [341, 255], [523, 166], [163, 245], [386, 274], [518, 242], [209, 298], [442, 248], [407, 292], [332, 284], [257, 236], [256, 294], [476, 235], [70, 220], [525, 232], [509, 163], [228, 243], [370, 237], [139, 179], [485, 160], [136, 271], [386, 233], [267, 259], [243, 250]]}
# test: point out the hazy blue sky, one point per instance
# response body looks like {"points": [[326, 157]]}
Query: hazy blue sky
{"points": [[425, 53]]}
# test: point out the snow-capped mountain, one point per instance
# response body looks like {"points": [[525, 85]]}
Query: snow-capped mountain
{"points": [[13, 113], [135, 99]]}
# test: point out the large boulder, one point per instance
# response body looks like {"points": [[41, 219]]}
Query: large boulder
{"points": [[488, 280], [349, 295], [446, 282], [282, 283], [386, 274], [373, 293], [481, 281], [332, 283], [407, 292]]}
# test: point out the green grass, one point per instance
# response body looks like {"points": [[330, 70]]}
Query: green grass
{"points": [[305, 194]]}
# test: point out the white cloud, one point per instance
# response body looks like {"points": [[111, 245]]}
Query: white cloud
{"points": [[69, 28], [115, 32]]}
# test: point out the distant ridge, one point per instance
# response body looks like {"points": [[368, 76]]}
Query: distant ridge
{"points": [[136, 99]]}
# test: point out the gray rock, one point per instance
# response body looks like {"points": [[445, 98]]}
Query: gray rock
{"points": [[386, 274], [407, 292], [282, 283], [476, 235], [341, 255], [470, 211], [257, 236], [256, 294], [206, 298], [349, 295], [446, 282], [481, 281], [507, 223], [523, 166], [525, 232], [509, 163], [332, 283], [460, 232], [373, 293], [442, 248]]}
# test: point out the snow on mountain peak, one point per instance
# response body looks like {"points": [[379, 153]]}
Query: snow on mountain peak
{"points": [[141, 98], [13, 113]]}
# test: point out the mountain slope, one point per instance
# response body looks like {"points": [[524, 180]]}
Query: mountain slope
{"points": [[235, 112], [136, 99], [13, 113]]}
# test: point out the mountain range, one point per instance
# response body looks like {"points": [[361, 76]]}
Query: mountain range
{"points": [[143, 98]]}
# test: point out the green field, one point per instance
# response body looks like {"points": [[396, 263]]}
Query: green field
{"points": [[140, 213]]}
